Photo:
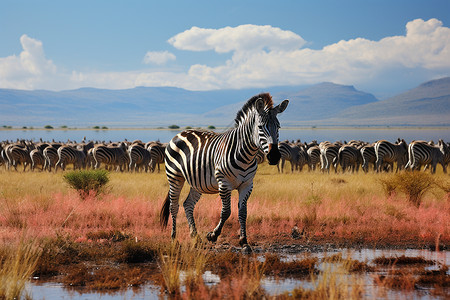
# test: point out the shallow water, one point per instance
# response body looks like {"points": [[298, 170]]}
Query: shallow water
{"points": [[272, 285]]}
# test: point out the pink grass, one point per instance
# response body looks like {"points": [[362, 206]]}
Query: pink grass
{"points": [[375, 221]]}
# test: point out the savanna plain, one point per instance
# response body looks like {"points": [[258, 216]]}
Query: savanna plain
{"points": [[113, 240]]}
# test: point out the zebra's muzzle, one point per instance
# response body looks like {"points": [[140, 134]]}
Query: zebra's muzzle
{"points": [[274, 154]]}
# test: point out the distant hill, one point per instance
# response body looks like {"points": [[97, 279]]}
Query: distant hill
{"points": [[427, 104], [321, 104]]}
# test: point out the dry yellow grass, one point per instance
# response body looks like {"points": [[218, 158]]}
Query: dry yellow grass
{"points": [[323, 206]]}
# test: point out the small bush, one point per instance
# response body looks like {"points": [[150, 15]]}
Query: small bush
{"points": [[174, 127], [48, 127], [87, 181], [413, 184], [211, 127]]}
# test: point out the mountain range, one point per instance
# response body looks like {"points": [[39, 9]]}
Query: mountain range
{"points": [[320, 104]]}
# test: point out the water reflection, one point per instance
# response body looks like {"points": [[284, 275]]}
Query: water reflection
{"points": [[275, 286]]}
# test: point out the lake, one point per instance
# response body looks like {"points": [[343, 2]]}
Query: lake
{"points": [[369, 134]]}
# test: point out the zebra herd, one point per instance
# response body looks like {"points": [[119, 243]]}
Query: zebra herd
{"points": [[122, 156], [380, 156], [136, 156]]}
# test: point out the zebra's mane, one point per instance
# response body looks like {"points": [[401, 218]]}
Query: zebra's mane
{"points": [[250, 103]]}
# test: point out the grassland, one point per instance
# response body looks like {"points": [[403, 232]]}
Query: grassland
{"points": [[122, 224]]}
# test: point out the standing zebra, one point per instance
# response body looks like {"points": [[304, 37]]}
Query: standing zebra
{"points": [[387, 152], [156, 155], [328, 152], [139, 157], [313, 157], [422, 153], [290, 153], [18, 154], [221, 162], [349, 157], [51, 157], [37, 159], [368, 157], [111, 155], [70, 155]]}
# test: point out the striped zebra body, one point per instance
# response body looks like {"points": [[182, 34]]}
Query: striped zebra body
{"points": [[157, 154], [51, 157], [139, 157], [260, 157], [290, 153], [313, 157], [328, 153], [422, 153], [219, 163], [389, 153], [368, 157], [349, 157], [70, 155], [18, 154], [115, 156], [37, 159]]}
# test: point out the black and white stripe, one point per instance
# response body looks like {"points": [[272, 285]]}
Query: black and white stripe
{"points": [[368, 157], [157, 154], [290, 153], [349, 157], [422, 153], [221, 162], [328, 152], [389, 153], [112, 156], [139, 157]]}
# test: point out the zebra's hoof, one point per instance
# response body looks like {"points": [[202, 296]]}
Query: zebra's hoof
{"points": [[211, 237], [246, 249]]}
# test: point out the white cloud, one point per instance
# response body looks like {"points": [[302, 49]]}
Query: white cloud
{"points": [[241, 38], [158, 57], [28, 69], [261, 56]]}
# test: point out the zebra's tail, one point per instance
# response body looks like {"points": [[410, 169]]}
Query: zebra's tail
{"points": [[165, 212]]}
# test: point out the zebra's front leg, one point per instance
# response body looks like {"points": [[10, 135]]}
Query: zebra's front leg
{"points": [[225, 195], [244, 194]]}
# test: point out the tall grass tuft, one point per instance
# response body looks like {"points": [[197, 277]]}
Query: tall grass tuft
{"points": [[86, 181], [17, 264]]}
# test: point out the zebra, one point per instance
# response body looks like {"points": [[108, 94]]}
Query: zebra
{"points": [[422, 153], [111, 155], [37, 159], [387, 152], [328, 152], [368, 156], [68, 154], [349, 157], [156, 155], [290, 153], [51, 157], [221, 162], [313, 157], [18, 154], [139, 157]]}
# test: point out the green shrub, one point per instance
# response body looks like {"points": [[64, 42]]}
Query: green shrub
{"points": [[48, 127], [211, 127], [86, 181], [174, 127]]}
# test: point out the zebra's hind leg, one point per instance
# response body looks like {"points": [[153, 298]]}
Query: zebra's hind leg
{"points": [[189, 205]]}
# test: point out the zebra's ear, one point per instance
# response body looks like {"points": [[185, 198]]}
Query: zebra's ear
{"points": [[259, 105], [282, 106]]}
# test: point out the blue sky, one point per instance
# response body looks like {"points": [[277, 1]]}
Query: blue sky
{"points": [[382, 47]]}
